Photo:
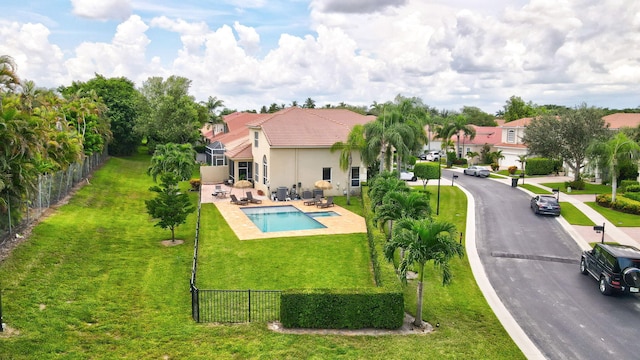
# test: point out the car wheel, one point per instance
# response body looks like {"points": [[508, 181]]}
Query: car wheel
{"points": [[414, 178], [605, 288], [583, 267]]}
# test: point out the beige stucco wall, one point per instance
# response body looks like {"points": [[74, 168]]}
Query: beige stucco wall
{"points": [[289, 166], [213, 174]]}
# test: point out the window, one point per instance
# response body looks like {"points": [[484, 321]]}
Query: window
{"points": [[264, 169], [511, 136], [244, 170], [326, 174], [355, 176], [255, 139], [256, 175]]}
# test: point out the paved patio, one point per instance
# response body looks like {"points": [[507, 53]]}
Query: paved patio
{"points": [[346, 223]]}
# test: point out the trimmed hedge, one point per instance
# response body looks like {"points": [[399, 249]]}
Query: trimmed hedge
{"points": [[625, 184], [381, 307], [539, 166], [621, 204], [342, 309], [632, 188], [632, 195]]}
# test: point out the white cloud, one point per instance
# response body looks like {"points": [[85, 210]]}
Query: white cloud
{"points": [[124, 56], [102, 9], [249, 38]]}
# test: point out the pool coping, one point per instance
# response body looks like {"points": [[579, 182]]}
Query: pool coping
{"points": [[245, 229]]}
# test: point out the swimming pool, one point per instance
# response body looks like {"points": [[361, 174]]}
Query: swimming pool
{"points": [[316, 214], [280, 218]]}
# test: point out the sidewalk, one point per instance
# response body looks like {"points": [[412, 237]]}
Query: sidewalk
{"points": [[585, 234]]}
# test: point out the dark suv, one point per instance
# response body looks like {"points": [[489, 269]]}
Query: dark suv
{"points": [[616, 267]]}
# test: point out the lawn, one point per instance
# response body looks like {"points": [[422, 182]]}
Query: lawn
{"points": [[535, 189], [617, 218], [574, 216], [589, 188], [93, 281]]}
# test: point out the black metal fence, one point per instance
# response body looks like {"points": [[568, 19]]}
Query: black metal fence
{"points": [[229, 306], [236, 306]]}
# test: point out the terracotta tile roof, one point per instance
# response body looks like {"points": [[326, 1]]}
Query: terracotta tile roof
{"points": [[298, 127], [240, 151], [485, 135], [620, 120], [518, 123], [500, 122]]}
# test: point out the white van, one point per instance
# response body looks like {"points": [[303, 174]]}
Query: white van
{"points": [[434, 155]]}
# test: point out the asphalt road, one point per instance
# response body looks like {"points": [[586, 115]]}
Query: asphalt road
{"points": [[532, 263]]}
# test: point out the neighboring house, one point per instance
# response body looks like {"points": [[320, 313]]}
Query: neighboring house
{"points": [[286, 148], [490, 135], [511, 142]]}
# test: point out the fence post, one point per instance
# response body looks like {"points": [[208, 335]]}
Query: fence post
{"points": [[249, 304], [1, 320]]}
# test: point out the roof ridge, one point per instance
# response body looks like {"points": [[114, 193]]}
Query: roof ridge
{"points": [[324, 117]]}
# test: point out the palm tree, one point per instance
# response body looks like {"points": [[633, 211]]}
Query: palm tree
{"points": [[496, 156], [424, 240], [472, 155], [175, 158], [398, 205], [612, 153], [355, 142], [212, 104], [8, 76], [382, 185], [522, 159], [458, 125]]}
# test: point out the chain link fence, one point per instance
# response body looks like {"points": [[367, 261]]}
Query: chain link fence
{"points": [[51, 189]]}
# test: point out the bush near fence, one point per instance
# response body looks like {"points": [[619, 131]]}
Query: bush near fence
{"points": [[381, 307], [622, 203], [539, 166], [342, 309]]}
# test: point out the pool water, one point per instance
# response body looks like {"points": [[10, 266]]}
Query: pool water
{"points": [[280, 218], [322, 214]]}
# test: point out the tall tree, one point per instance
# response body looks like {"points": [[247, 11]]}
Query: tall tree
{"points": [[401, 204], [424, 240], [9, 79], [211, 105], [178, 159], [170, 206], [566, 136], [516, 108], [309, 103], [478, 117], [457, 125], [355, 142], [612, 153], [168, 114]]}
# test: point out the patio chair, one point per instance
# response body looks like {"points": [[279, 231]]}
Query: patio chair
{"points": [[251, 199], [315, 201], [234, 200], [217, 191], [327, 203]]}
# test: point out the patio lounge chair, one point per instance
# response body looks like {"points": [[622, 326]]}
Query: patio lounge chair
{"points": [[326, 204], [317, 200], [251, 199], [234, 200]]}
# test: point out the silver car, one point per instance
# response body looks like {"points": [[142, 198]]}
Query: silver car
{"points": [[477, 171]]}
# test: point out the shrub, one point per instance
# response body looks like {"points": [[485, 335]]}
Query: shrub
{"points": [[632, 188], [512, 169], [342, 308], [575, 185], [539, 166], [461, 161], [495, 166], [199, 149], [626, 183], [621, 204], [632, 195], [195, 184]]}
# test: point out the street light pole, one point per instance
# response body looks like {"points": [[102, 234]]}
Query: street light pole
{"points": [[439, 176]]}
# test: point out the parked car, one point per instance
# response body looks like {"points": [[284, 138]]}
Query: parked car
{"points": [[545, 204], [477, 171], [616, 267], [422, 156], [408, 176], [433, 155]]}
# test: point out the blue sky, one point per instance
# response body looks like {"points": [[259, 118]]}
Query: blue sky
{"points": [[450, 53]]}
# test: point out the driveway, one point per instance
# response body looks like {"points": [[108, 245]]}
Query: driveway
{"points": [[532, 263]]}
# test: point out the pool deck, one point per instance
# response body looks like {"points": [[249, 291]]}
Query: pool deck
{"points": [[346, 223]]}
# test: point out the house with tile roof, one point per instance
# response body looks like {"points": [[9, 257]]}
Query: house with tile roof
{"points": [[289, 148]]}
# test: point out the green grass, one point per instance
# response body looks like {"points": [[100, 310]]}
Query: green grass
{"points": [[535, 189], [93, 281], [574, 216], [617, 218], [589, 188]]}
